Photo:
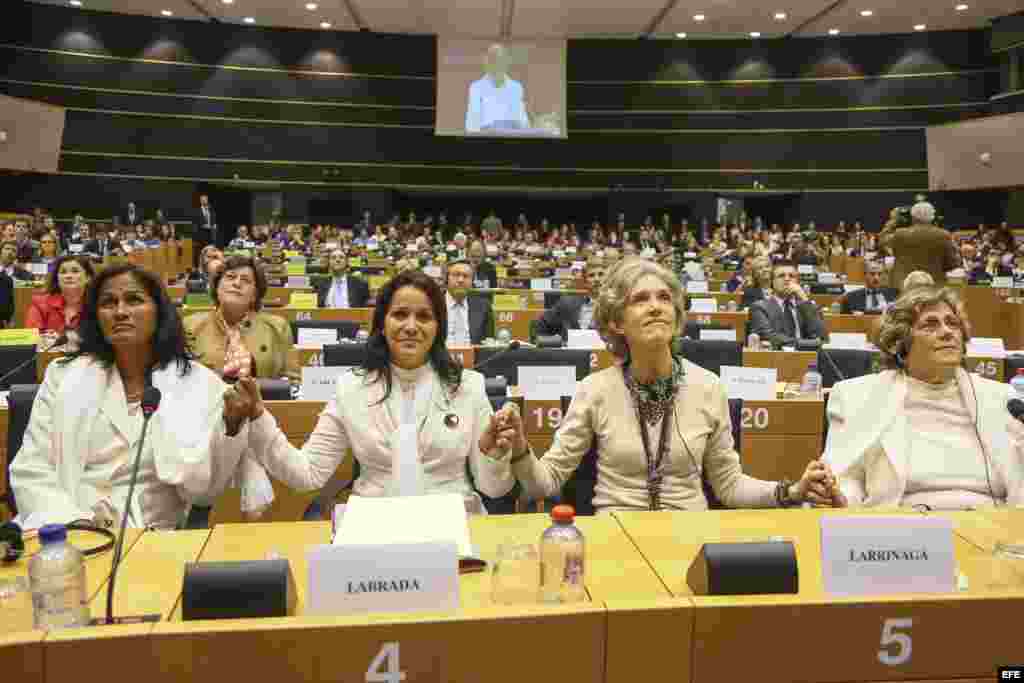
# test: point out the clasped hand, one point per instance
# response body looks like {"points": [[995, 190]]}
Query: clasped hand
{"points": [[242, 401], [819, 486], [504, 431]]}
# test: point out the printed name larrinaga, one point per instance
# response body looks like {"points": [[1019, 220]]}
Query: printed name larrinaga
{"points": [[393, 586], [888, 555]]}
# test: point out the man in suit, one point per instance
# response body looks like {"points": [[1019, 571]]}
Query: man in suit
{"points": [[873, 298], [788, 314], [485, 275], [572, 312], [9, 263], [132, 216], [922, 246], [102, 245], [6, 299], [342, 290], [470, 318], [205, 223]]}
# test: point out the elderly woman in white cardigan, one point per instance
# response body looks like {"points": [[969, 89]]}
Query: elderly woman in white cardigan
{"points": [[924, 433]]}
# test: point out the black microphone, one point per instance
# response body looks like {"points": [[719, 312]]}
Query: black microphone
{"points": [[1016, 408], [60, 341], [150, 403], [513, 345], [832, 364]]}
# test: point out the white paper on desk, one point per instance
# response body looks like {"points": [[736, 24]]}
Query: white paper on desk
{"points": [[750, 384], [435, 518], [828, 279], [319, 383], [317, 335], [432, 271], [584, 339], [852, 288], [540, 383], [986, 346], [695, 270], [869, 555], [1002, 282], [540, 283], [697, 287], [805, 269], [718, 335], [847, 340], [298, 281], [703, 305], [38, 268]]}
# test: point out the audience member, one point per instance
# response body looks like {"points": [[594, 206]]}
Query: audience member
{"points": [[573, 312], [342, 290], [60, 307], [921, 246], [872, 298], [470, 318], [789, 314]]}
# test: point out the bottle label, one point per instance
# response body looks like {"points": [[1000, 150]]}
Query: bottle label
{"points": [[573, 570]]}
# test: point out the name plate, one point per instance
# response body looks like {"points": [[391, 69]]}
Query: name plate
{"points": [[540, 383], [540, 283], [805, 269], [404, 577], [874, 555], [703, 305], [432, 271], [847, 340], [507, 301], [697, 287], [986, 346], [584, 339], [38, 268], [320, 383], [302, 299], [718, 335], [750, 384], [21, 336], [317, 336], [1002, 282]]}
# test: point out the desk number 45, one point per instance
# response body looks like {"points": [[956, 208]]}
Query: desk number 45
{"points": [[385, 667], [900, 654]]}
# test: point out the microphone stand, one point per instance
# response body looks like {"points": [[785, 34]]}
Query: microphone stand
{"points": [[61, 340]]}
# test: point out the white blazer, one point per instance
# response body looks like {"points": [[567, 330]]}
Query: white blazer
{"points": [[868, 436], [356, 419]]}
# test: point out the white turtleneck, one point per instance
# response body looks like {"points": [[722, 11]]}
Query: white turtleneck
{"points": [[946, 466]]}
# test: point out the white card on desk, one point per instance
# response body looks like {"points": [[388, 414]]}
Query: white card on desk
{"points": [[432, 271], [986, 346], [869, 555], [847, 340], [1003, 281], [317, 335], [852, 288], [750, 384], [38, 268], [828, 278], [403, 577], [319, 383], [300, 281], [703, 305], [381, 520], [718, 335], [697, 287], [542, 383], [584, 339], [805, 269], [540, 283]]}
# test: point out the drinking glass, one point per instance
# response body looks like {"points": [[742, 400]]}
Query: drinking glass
{"points": [[515, 578]]}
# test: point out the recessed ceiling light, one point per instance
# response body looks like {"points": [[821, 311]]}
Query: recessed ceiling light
{"points": [[325, 24], [249, 20], [167, 13], [228, 2], [311, 6], [833, 32], [780, 16], [961, 7], [680, 35], [919, 27], [866, 12], [698, 17], [755, 34], [75, 3]]}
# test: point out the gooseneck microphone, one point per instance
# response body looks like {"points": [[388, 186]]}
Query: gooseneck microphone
{"points": [[512, 346], [150, 403], [60, 341]]}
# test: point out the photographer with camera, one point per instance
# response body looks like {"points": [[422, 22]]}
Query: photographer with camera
{"points": [[918, 244]]}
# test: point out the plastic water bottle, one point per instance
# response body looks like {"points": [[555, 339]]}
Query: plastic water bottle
{"points": [[811, 385], [57, 577], [754, 341], [562, 557], [1018, 383]]}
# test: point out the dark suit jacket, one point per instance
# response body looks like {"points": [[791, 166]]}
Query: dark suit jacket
{"points": [[750, 296], [93, 247], [857, 300], [487, 271], [20, 274], [921, 247], [358, 292], [129, 221], [200, 229], [767, 316], [481, 318], [6, 299], [564, 316]]}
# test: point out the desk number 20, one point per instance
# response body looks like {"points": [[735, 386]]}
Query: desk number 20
{"points": [[387, 657], [900, 654]]}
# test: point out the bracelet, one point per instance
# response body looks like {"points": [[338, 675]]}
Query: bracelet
{"points": [[782, 494]]}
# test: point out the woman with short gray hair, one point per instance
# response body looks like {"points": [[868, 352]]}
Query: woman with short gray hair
{"points": [[660, 424], [924, 433]]}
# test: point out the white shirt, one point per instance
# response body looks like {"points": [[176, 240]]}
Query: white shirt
{"points": [[492, 107], [337, 297], [458, 321]]}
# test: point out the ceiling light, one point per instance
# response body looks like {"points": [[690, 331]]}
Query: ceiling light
{"points": [[311, 6], [249, 20], [167, 13], [866, 12], [755, 34], [228, 2], [680, 35], [833, 32], [961, 7], [780, 16], [698, 17], [919, 27], [75, 3], [325, 24]]}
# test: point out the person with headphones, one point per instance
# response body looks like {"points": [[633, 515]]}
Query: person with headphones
{"points": [[924, 432]]}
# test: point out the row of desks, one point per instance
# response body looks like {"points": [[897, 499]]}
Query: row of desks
{"points": [[641, 621]]}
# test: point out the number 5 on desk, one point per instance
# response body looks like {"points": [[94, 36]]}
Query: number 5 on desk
{"points": [[890, 636], [388, 656]]}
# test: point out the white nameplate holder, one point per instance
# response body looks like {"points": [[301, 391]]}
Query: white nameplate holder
{"points": [[584, 339], [398, 577], [313, 336], [540, 283], [1002, 282], [718, 335], [847, 340], [432, 271], [805, 269], [540, 383], [703, 305], [320, 382], [697, 287], [986, 346], [298, 281], [874, 555], [750, 384]]}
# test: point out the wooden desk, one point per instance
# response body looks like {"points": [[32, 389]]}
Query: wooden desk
{"points": [[780, 437], [791, 365], [736, 320], [363, 316]]}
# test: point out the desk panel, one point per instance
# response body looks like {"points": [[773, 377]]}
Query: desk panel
{"points": [[21, 655], [791, 365]]}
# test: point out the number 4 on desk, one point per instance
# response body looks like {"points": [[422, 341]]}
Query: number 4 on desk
{"points": [[891, 637], [388, 656]]}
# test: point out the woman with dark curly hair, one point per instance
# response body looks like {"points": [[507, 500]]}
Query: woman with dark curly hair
{"points": [[409, 408], [76, 458]]}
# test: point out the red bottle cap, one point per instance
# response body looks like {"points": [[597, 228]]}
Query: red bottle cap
{"points": [[563, 513]]}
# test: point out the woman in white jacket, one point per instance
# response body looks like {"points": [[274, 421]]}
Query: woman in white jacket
{"points": [[76, 458], [924, 433]]}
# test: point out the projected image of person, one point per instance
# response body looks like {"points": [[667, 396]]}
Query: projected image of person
{"points": [[496, 100]]}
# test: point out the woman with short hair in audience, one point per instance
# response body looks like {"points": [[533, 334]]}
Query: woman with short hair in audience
{"points": [[76, 458], [660, 423], [924, 433], [60, 308], [406, 378], [917, 278]]}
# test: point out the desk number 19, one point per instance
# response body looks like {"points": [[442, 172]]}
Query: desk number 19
{"points": [[388, 656]]}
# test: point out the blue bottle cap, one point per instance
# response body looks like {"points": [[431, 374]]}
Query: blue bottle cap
{"points": [[53, 533]]}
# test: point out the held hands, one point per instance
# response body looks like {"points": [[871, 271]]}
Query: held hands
{"points": [[504, 432], [242, 401], [819, 486]]}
